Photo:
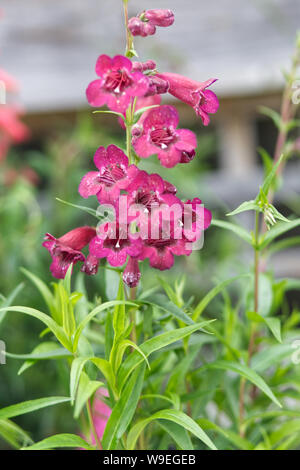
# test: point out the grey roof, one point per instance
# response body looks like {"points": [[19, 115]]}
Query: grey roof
{"points": [[52, 46]]}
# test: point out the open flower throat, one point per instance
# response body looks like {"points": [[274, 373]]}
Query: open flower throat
{"points": [[163, 136], [117, 81]]}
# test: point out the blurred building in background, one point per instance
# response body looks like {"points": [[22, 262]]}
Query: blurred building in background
{"points": [[52, 47]]}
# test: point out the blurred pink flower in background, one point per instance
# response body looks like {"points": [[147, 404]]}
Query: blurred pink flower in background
{"points": [[100, 412]]}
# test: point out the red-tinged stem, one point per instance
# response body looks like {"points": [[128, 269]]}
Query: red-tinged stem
{"points": [[251, 345]]}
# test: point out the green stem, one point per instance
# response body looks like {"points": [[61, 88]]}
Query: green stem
{"points": [[253, 326], [92, 425], [129, 41], [128, 142]]}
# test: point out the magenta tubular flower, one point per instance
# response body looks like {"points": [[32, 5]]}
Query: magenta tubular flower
{"points": [[158, 17], [193, 93], [113, 175], [149, 190], [132, 273], [67, 249], [161, 251], [117, 85], [160, 136], [195, 230], [10, 124], [116, 244]]}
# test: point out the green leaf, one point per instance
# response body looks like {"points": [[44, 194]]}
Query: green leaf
{"points": [[76, 369], [276, 118], [272, 323], [88, 210], [179, 373], [212, 294], [283, 244], [106, 369], [98, 111], [86, 389], [34, 356], [234, 228], [46, 350], [95, 312], [60, 440], [276, 231], [245, 206], [175, 416], [29, 406], [152, 345], [245, 372], [265, 188], [13, 434], [119, 312], [141, 111], [272, 355], [7, 302], [178, 434], [42, 288], [47, 320], [163, 303], [286, 429], [231, 436], [169, 291], [124, 409]]}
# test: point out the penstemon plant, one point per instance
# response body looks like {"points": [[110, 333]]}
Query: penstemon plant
{"points": [[149, 370]]}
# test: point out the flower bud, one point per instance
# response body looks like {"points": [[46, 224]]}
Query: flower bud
{"points": [[135, 26], [132, 274], [148, 29], [157, 86], [90, 267], [143, 66], [159, 17], [187, 157]]}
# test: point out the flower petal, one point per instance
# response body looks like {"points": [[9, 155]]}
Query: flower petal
{"points": [[95, 95], [89, 185], [103, 65], [211, 104]]}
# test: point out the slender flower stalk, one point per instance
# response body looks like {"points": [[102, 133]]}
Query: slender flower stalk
{"points": [[251, 345]]}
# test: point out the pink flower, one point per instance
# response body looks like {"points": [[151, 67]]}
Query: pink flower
{"points": [[67, 249], [158, 17], [161, 250], [113, 175], [159, 135], [193, 93], [117, 85], [132, 273], [11, 125], [149, 191], [116, 243], [11, 84], [199, 219]]}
